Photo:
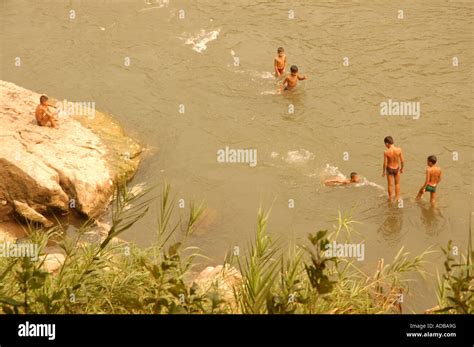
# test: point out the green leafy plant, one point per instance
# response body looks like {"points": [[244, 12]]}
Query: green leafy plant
{"points": [[456, 286]]}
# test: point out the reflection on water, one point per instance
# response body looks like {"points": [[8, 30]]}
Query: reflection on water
{"points": [[392, 226], [432, 218]]}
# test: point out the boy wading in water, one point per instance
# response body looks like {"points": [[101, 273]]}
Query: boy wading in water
{"points": [[391, 167], [291, 80], [433, 177], [42, 113], [280, 62]]}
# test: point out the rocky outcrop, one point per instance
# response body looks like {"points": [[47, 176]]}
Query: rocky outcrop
{"points": [[226, 279], [10, 232], [53, 259], [30, 214], [46, 170]]}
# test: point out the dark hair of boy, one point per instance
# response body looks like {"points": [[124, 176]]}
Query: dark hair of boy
{"points": [[388, 140], [432, 159]]}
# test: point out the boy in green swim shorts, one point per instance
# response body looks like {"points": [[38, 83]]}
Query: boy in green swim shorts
{"points": [[433, 177]]}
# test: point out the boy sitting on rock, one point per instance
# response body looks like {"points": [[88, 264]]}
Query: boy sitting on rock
{"points": [[43, 115]]}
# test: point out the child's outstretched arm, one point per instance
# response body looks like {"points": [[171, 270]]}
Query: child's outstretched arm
{"points": [[302, 77], [335, 182]]}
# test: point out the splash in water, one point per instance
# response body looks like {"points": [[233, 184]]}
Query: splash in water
{"points": [[199, 41], [331, 172], [257, 75], [299, 157], [270, 92], [158, 3], [261, 77], [294, 157]]}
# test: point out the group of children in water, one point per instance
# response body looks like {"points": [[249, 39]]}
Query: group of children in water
{"points": [[291, 80], [393, 161], [392, 169]]}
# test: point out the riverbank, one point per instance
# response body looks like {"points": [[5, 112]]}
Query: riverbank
{"points": [[263, 278], [51, 172]]}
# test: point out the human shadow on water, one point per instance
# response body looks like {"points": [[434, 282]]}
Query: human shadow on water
{"points": [[293, 102], [393, 223], [431, 218]]}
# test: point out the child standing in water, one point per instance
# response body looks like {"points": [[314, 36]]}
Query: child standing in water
{"points": [[291, 80], [280, 62], [433, 177], [392, 167]]}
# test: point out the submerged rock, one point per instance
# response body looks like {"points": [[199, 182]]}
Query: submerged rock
{"points": [[45, 170]]}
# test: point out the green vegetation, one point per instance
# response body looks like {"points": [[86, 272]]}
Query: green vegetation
{"points": [[456, 286], [307, 281], [111, 276]]}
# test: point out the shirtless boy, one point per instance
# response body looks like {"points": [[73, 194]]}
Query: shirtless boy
{"points": [[280, 62], [392, 167], [433, 177], [292, 80], [42, 113], [354, 179]]}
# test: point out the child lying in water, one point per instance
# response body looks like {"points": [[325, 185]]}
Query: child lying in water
{"points": [[339, 181]]}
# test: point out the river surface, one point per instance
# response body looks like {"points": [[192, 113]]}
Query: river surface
{"points": [[188, 78]]}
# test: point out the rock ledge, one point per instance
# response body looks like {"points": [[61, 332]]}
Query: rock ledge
{"points": [[45, 170]]}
